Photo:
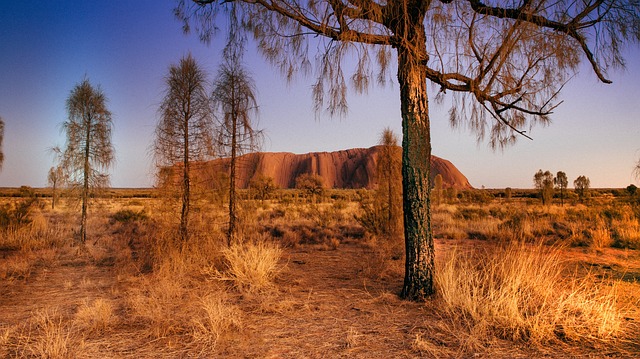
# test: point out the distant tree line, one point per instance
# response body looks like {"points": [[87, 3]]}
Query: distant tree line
{"points": [[546, 184]]}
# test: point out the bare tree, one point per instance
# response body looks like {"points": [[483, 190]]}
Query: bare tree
{"points": [[184, 131], [235, 103], [389, 192], [561, 183], [55, 177], [543, 182], [88, 149], [505, 63], [582, 185]]}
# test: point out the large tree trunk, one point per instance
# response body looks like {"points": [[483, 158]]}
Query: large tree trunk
{"points": [[416, 154]]}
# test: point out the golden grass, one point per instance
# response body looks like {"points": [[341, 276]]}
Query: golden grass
{"points": [[17, 267], [96, 316], [251, 266], [352, 338], [518, 292], [600, 235], [160, 305], [216, 317], [48, 336], [626, 230]]}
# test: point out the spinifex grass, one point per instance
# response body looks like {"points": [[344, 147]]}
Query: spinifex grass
{"points": [[252, 266], [520, 292]]}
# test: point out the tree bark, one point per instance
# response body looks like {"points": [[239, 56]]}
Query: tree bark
{"points": [[416, 154]]}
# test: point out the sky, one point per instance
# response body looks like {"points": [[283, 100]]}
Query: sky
{"points": [[126, 47]]}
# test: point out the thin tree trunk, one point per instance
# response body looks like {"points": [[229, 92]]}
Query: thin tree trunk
{"points": [[85, 184], [186, 193], [53, 196], [416, 152], [390, 219], [232, 182]]}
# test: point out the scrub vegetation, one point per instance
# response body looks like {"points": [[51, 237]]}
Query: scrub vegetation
{"points": [[514, 277]]}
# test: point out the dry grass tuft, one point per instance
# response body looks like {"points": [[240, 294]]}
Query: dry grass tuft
{"points": [[600, 235], [352, 338], [154, 303], [216, 317], [518, 293], [383, 258], [626, 230], [48, 336], [251, 267], [16, 267], [97, 316], [428, 348]]}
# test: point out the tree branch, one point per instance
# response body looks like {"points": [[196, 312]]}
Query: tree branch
{"points": [[569, 28]]}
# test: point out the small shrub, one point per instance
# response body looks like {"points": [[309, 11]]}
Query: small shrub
{"points": [[15, 215], [290, 239], [369, 219], [613, 213], [312, 185], [128, 216], [516, 228], [472, 213]]}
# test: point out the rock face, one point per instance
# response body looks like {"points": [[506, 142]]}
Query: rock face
{"points": [[353, 168]]}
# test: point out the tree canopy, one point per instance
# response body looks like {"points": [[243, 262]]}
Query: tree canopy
{"points": [[504, 60]]}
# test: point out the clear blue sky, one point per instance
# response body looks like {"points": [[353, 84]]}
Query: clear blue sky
{"points": [[46, 47]]}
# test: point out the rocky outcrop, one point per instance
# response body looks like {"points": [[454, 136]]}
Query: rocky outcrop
{"points": [[353, 168]]}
